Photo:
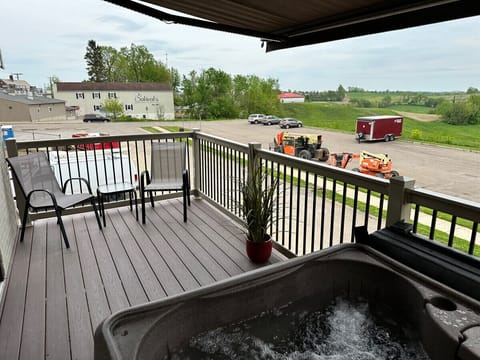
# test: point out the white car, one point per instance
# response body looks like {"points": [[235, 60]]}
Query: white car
{"points": [[255, 118]]}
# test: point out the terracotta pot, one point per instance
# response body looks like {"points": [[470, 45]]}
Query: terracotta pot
{"points": [[259, 252]]}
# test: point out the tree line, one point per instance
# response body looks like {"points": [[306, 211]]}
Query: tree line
{"points": [[210, 93], [214, 94]]}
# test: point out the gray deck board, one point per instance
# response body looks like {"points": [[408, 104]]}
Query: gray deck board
{"points": [[56, 297]]}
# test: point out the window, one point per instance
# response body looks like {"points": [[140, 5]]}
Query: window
{"points": [[50, 109], [96, 95], [128, 107], [80, 95], [112, 95], [96, 107]]}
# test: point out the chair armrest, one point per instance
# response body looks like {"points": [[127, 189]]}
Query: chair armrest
{"points": [[80, 179], [29, 195], [145, 175]]}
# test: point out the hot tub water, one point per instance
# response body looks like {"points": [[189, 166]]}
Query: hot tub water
{"points": [[345, 330]]}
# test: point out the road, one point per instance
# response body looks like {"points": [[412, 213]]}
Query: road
{"points": [[446, 170]]}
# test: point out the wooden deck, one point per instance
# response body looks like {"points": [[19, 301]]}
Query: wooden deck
{"points": [[56, 297]]}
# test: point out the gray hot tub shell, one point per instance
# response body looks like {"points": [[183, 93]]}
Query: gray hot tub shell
{"points": [[447, 321]]}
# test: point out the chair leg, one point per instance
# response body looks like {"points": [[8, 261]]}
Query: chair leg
{"points": [[185, 204], [142, 200], [24, 221], [151, 199], [62, 228], [96, 213]]}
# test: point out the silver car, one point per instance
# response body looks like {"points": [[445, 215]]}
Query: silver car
{"points": [[270, 120], [287, 123], [255, 118]]}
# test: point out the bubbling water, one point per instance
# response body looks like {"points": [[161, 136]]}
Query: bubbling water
{"points": [[345, 330]]}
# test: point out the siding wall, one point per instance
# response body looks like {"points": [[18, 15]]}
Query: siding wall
{"points": [[8, 219]]}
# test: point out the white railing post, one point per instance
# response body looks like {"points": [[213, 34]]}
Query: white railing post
{"points": [[252, 154], [398, 207], [196, 162]]}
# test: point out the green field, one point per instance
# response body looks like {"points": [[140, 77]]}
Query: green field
{"points": [[343, 118]]}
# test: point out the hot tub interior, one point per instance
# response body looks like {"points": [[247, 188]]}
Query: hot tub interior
{"points": [[445, 321]]}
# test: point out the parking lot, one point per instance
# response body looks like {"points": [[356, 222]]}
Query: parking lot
{"points": [[446, 170]]}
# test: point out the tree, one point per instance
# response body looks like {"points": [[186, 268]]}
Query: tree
{"points": [[472, 90], [113, 107], [95, 65]]}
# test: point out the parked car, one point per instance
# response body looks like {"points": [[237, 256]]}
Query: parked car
{"points": [[290, 122], [95, 117], [270, 120], [255, 118]]}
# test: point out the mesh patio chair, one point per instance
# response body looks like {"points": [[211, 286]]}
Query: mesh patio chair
{"points": [[42, 191], [168, 172]]}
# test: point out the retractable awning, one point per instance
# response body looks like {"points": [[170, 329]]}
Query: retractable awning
{"points": [[284, 24]]}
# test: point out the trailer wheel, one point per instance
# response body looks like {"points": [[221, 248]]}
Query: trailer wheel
{"points": [[305, 154], [392, 137], [386, 138]]}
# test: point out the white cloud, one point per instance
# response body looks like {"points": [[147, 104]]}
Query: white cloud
{"points": [[46, 38]]}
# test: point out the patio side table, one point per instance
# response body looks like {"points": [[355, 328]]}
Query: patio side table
{"points": [[104, 191]]}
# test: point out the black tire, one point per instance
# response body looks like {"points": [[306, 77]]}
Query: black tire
{"points": [[386, 138], [269, 123], [380, 175], [287, 126], [326, 154], [305, 154], [392, 137], [356, 170], [299, 125], [394, 173]]}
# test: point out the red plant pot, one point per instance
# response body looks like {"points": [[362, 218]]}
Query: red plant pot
{"points": [[259, 252]]}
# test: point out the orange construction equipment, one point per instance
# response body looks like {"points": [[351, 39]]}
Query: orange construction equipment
{"points": [[305, 146], [371, 164]]}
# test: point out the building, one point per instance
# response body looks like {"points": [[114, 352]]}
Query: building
{"points": [[27, 107], [139, 100], [15, 86], [291, 97]]}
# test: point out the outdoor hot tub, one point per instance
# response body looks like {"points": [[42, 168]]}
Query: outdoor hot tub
{"points": [[446, 321]]}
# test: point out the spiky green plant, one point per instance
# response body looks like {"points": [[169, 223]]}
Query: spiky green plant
{"points": [[258, 202]]}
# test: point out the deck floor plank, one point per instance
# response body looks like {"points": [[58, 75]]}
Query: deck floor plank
{"points": [[117, 298], [34, 319], [57, 332], [56, 297], [12, 319], [115, 237], [80, 326], [96, 297]]}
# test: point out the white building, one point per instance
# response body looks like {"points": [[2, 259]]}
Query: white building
{"points": [[139, 100], [289, 97]]}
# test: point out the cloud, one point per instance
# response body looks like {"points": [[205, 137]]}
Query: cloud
{"points": [[49, 37]]}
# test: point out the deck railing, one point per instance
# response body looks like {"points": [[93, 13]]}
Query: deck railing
{"points": [[317, 205]]}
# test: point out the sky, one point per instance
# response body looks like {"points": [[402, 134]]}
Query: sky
{"points": [[44, 38]]}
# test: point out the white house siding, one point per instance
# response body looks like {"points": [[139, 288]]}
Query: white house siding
{"points": [[8, 219], [139, 100]]}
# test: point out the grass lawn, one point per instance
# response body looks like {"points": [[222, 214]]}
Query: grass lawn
{"points": [[343, 118]]}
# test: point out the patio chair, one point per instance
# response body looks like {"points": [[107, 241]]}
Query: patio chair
{"points": [[168, 172], [42, 191]]}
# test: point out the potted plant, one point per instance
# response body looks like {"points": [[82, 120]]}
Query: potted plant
{"points": [[258, 198]]}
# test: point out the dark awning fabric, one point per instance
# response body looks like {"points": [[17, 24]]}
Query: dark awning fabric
{"points": [[284, 24]]}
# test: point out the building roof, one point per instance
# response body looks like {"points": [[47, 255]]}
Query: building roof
{"points": [[29, 99], [112, 86], [289, 95], [16, 83], [286, 24]]}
